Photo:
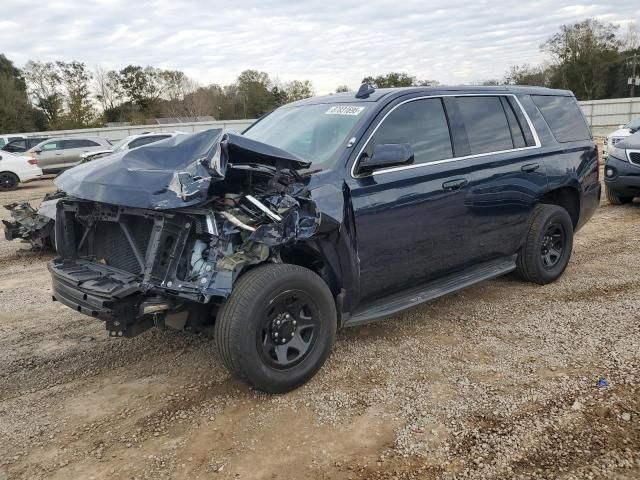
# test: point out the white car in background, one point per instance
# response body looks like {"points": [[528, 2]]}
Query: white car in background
{"points": [[4, 139], [129, 143], [15, 169], [623, 132]]}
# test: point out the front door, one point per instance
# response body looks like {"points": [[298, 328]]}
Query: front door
{"points": [[411, 222], [50, 155]]}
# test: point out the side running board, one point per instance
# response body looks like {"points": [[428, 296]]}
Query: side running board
{"points": [[400, 301]]}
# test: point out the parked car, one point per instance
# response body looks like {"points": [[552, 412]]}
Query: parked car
{"points": [[4, 139], [60, 153], [128, 143], [23, 144], [622, 171], [15, 169], [617, 136], [326, 213]]}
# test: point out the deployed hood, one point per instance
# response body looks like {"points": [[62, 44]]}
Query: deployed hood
{"points": [[171, 173]]}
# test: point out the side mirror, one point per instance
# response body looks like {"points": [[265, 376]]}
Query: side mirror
{"points": [[386, 155]]}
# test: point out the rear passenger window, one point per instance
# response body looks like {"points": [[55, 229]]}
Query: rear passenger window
{"points": [[420, 123], [564, 117], [486, 124], [80, 144]]}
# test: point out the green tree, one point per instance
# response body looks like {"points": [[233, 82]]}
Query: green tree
{"points": [[75, 80], [342, 89], [107, 87], [44, 86], [390, 80], [16, 114], [583, 54], [142, 86], [539, 76], [297, 90], [254, 92]]}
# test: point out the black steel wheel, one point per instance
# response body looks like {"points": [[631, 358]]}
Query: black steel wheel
{"points": [[288, 330], [276, 329], [553, 244], [547, 247], [8, 181]]}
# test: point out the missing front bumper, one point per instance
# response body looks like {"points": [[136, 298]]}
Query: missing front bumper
{"points": [[102, 292]]}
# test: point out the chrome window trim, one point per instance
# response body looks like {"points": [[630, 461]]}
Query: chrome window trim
{"points": [[452, 159]]}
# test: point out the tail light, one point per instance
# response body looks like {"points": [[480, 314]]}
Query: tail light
{"points": [[32, 161]]}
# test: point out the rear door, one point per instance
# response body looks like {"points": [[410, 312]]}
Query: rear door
{"points": [[76, 147], [509, 172]]}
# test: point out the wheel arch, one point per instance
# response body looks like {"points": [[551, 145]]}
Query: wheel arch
{"points": [[567, 198], [305, 255]]}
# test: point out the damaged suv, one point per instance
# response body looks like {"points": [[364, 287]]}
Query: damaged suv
{"points": [[329, 212]]}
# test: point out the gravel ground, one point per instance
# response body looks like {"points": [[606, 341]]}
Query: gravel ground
{"points": [[498, 381]]}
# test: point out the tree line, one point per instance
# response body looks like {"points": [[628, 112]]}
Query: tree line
{"points": [[591, 58]]}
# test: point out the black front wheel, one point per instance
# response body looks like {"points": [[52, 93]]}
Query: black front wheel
{"points": [[548, 244], [277, 328], [8, 181], [615, 198]]}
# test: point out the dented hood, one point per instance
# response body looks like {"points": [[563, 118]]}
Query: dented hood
{"points": [[172, 173]]}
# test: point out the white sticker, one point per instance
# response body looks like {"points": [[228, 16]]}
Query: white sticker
{"points": [[344, 110]]}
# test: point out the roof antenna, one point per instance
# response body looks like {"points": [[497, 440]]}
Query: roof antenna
{"points": [[365, 90]]}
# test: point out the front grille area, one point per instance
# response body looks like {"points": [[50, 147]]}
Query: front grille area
{"points": [[111, 247], [634, 157]]}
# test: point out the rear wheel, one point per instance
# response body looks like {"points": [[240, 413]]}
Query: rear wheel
{"points": [[547, 247], [277, 328], [614, 198], [8, 181]]}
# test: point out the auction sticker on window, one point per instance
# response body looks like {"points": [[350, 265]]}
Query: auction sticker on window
{"points": [[344, 110]]}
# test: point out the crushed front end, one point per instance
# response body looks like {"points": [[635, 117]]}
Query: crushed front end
{"points": [[136, 266]]}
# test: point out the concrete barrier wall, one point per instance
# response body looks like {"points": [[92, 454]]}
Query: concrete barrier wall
{"points": [[117, 133], [604, 116]]}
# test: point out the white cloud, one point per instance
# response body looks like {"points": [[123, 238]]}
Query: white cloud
{"points": [[330, 43]]}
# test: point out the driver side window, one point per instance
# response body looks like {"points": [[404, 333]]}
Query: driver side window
{"points": [[420, 123]]}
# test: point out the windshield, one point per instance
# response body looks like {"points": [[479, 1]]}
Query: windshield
{"points": [[633, 124], [120, 145], [312, 132]]}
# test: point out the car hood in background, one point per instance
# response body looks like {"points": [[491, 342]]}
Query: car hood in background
{"points": [[621, 132], [171, 173], [632, 142]]}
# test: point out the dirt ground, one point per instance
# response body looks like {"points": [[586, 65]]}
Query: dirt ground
{"points": [[498, 381]]}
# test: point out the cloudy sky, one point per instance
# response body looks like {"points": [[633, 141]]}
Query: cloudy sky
{"points": [[328, 42]]}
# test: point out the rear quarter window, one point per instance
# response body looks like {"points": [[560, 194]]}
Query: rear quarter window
{"points": [[564, 117]]}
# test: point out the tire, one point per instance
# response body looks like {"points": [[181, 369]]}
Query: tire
{"points": [[614, 198], [547, 247], [8, 181], [271, 304]]}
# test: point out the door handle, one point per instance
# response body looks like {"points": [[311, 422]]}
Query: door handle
{"points": [[530, 167], [454, 184]]}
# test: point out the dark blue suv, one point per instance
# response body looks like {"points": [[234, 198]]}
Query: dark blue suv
{"points": [[329, 212]]}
